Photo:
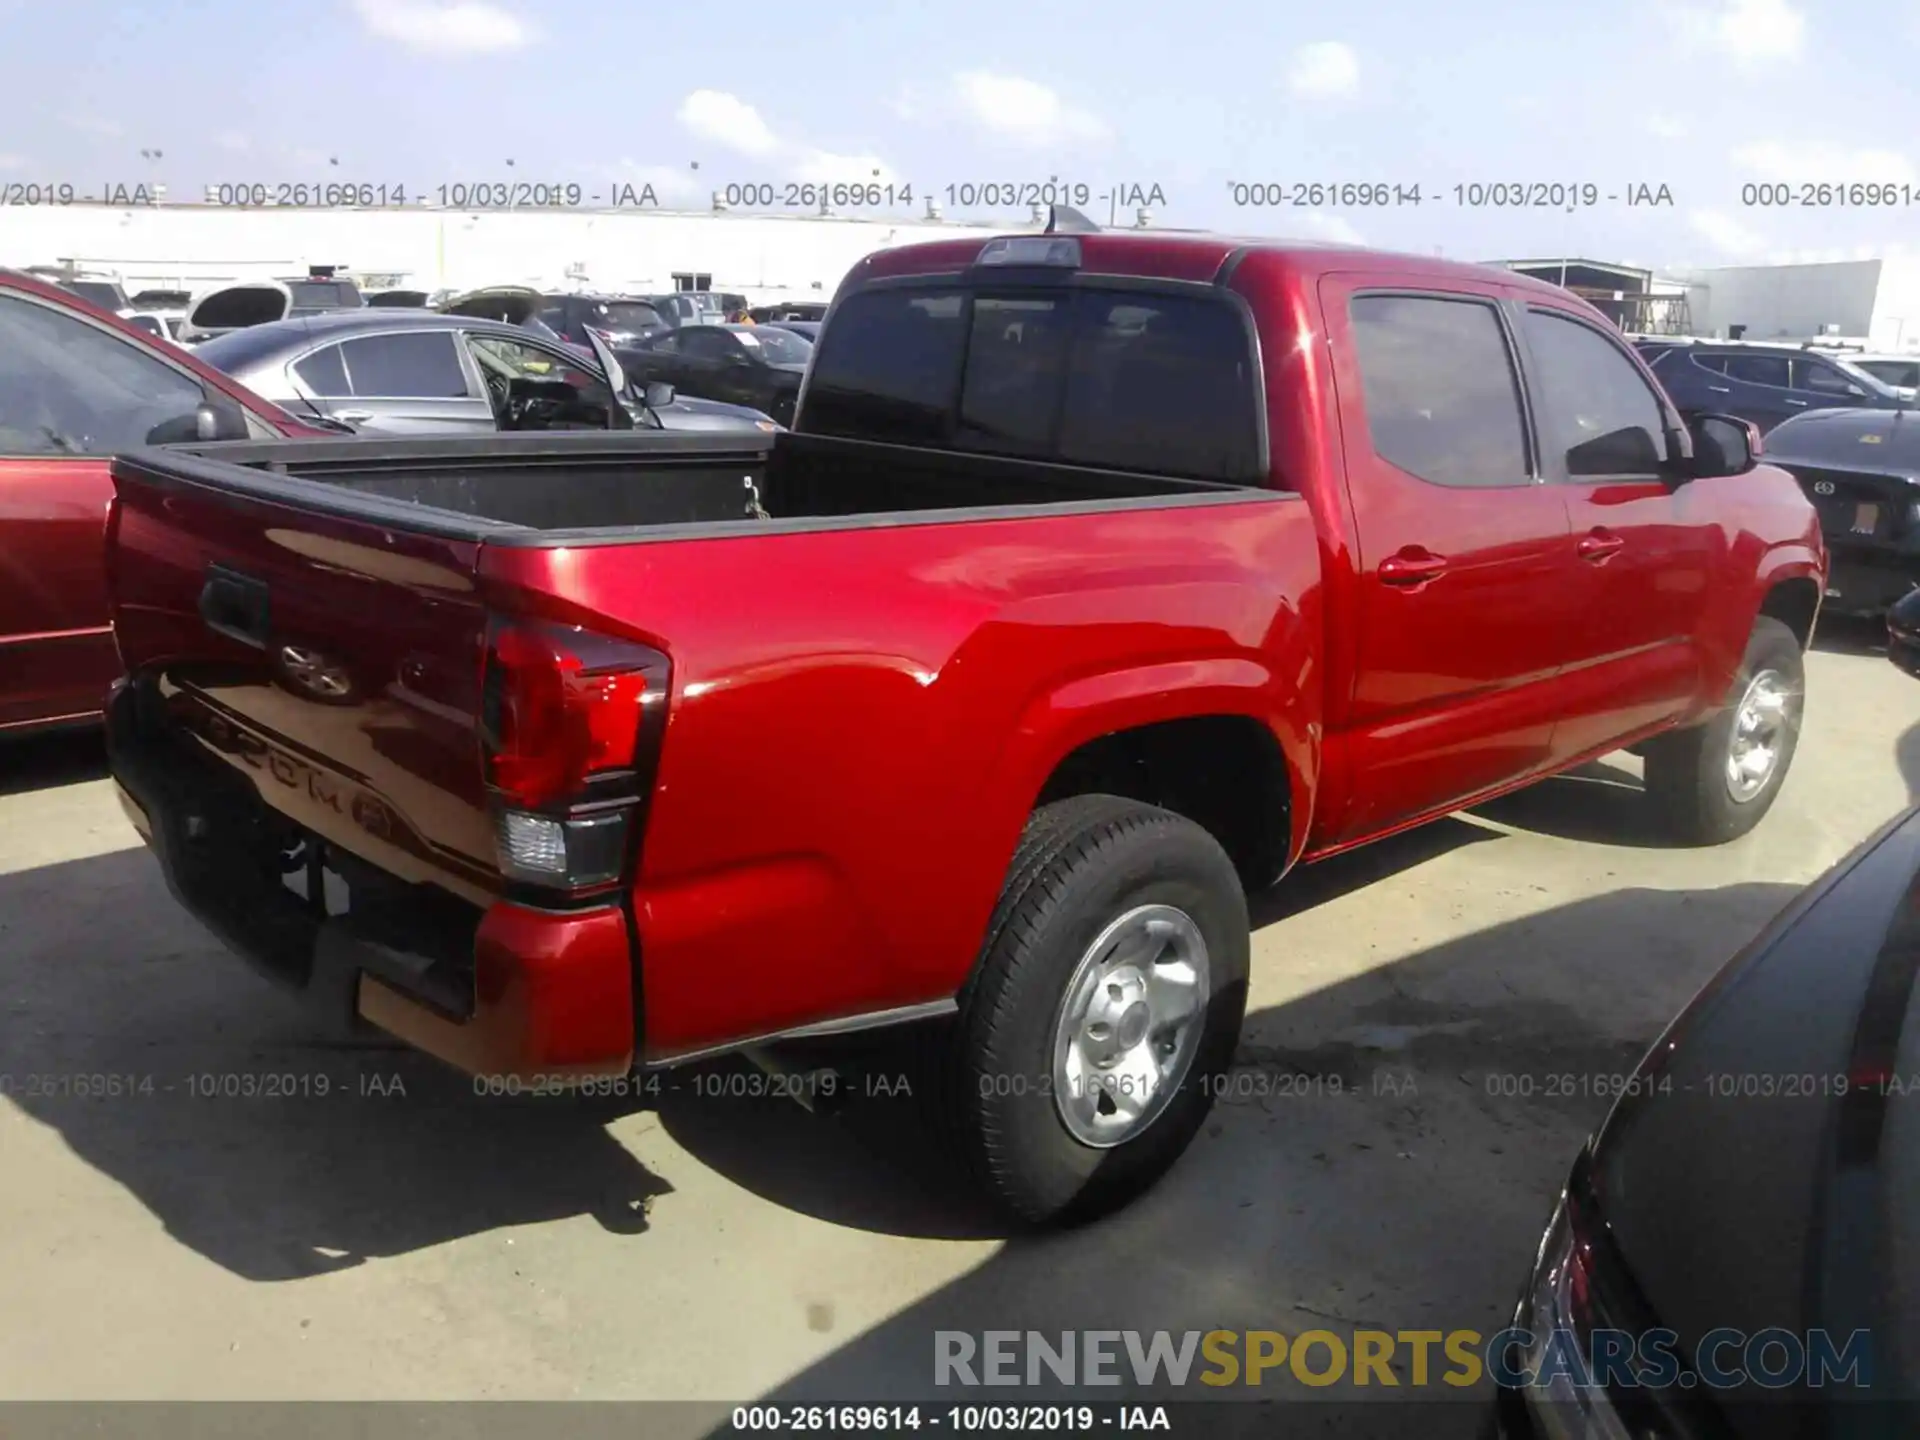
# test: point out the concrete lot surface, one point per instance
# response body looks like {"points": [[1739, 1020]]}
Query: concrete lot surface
{"points": [[1433, 1021]]}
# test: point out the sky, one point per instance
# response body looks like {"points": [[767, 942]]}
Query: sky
{"points": [[1709, 111]]}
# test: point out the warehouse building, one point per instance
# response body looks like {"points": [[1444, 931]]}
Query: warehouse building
{"points": [[1634, 299], [168, 246], [1872, 302]]}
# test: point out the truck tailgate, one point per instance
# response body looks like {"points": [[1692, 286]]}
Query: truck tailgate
{"points": [[300, 740], [334, 662]]}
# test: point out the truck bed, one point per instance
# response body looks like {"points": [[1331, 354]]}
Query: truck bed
{"points": [[850, 708], [616, 484]]}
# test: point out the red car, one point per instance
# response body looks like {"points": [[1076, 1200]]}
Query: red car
{"points": [[76, 385], [1102, 578]]}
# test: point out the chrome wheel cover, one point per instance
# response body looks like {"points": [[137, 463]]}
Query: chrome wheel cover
{"points": [[1129, 1025], [1758, 740]]}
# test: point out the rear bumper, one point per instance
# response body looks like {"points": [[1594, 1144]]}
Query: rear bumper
{"points": [[1867, 581], [507, 991]]}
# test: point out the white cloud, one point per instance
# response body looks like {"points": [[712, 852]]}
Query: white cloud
{"points": [[464, 27], [1666, 127], [96, 125], [1817, 163], [234, 141], [824, 167], [728, 120], [1751, 32], [1024, 111], [907, 103], [1726, 234], [1322, 226], [1324, 69]]}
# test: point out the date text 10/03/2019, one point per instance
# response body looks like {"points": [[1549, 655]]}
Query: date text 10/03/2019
{"points": [[1565, 195], [492, 195]]}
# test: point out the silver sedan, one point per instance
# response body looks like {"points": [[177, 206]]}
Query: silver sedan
{"points": [[407, 372]]}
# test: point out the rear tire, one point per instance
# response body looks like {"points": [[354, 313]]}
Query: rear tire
{"points": [[1105, 1009], [1712, 783]]}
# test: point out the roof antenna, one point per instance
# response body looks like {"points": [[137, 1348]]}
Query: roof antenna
{"points": [[1065, 220]]}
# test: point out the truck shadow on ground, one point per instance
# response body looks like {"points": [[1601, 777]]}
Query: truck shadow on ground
{"points": [[1387, 1163], [45, 762], [1599, 803], [1851, 635], [165, 1064]]}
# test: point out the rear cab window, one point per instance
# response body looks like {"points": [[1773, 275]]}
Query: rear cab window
{"points": [[1441, 389], [1122, 378]]}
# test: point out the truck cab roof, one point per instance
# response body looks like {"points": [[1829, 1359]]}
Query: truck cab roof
{"points": [[1195, 256]]}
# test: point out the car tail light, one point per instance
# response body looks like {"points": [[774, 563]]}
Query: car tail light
{"points": [[570, 725]]}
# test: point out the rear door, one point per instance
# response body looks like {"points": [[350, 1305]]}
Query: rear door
{"points": [[71, 394], [661, 358], [1759, 386], [1647, 550], [1464, 556], [715, 366], [411, 382]]}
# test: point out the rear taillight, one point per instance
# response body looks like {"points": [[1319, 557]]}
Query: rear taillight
{"points": [[570, 727]]}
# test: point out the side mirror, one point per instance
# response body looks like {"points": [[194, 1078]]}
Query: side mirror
{"points": [[658, 394], [211, 421], [1722, 445]]}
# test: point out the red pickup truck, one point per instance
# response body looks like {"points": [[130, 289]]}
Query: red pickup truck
{"points": [[1101, 578]]}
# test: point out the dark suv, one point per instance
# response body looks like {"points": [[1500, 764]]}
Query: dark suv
{"points": [[620, 321], [1763, 383]]}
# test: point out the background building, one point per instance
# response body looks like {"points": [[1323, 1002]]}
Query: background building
{"points": [[1873, 301], [1632, 298], [188, 246]]}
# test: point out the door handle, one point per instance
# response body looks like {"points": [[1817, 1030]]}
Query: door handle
{"points": [[1598, 545], [353, 417], [1721, 389], [1801, 403], [1412, 567], [235, 605]]}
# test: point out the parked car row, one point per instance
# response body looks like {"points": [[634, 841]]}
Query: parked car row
{"points": [[79, 384], [419, 372], [1836, 420]]}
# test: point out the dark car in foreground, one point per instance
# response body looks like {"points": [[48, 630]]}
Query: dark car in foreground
{"points": [[1766, 384], [415, 372], [753, 365], [1737, 1251], [1861, 470]]}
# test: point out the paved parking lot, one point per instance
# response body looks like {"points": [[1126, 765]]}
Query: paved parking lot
{"points": [[1432, 1021]]}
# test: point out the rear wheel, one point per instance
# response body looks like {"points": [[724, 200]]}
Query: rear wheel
{"points": [[1713, 782], [1105, 1009]]}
